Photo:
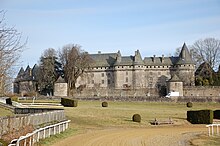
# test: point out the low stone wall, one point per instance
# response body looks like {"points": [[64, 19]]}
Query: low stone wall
{"points": [[155, 99], [127, 98], [117, 92], [209, 91], [8, 124]]}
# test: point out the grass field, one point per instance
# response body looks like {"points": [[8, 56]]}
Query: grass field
{"points": [[5, 112], [90, 115]]}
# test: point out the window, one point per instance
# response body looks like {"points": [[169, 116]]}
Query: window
{"points": [[150, 84], [126, 79], [109, 82], [102, 74], [126, 73], [159, 73], [103, 81], [92, 81], [151, 73]]}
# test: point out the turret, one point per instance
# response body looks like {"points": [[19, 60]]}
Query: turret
{"points": [[185, 67]]}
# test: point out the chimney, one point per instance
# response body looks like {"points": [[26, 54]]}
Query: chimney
{"points": [[154, 58], [162, 59], [99, 52]]}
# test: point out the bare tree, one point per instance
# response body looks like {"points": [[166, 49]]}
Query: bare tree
{"points": [[10, 51], [207, 50], [75, 61]]}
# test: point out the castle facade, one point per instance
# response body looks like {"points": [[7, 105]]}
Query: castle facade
{"points": [[114, 71], [112, 74]]}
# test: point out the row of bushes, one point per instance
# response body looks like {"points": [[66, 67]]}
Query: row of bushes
{"points": [[67, 102]]}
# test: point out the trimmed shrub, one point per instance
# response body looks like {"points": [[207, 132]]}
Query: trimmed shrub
{"points": [[136, 118], [8, 101], [200, 117], [67, 102], [14, 98], [104, 104], [189, 104], [217, 114]]}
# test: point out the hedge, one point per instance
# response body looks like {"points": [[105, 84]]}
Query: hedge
{"points": [[200, 117], [8, 101], [217, 114], [67, 102]]}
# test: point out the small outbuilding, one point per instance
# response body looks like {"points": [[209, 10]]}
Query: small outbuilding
{"points": [[60, 87], [175, 85]]}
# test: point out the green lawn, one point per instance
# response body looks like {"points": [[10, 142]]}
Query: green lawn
{"points": [[5, 112], [90, 115]]}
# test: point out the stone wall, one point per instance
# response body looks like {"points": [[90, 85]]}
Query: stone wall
{"points": [[202, 91], [187, 91], [96, 92], [8, 124]]}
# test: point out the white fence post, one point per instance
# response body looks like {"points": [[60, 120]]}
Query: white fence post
{"points": [[211, 131]]}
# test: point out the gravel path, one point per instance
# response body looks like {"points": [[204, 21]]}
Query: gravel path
{"points": [[154, 136]]}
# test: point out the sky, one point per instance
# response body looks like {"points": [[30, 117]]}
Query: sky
{"points": [[155, 27]]}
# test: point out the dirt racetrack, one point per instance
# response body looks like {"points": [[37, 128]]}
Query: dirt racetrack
{"points": [[152, 136]]}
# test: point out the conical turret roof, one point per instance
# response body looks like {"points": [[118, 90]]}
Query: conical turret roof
{"points": [[185, 57], [60, 80], [175, 78]]}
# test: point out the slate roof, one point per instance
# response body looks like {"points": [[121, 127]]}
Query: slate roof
{"points": [[175, 78], [60, 80], [152, 61], [29, 74], [107, 59], [185, 57], [112, 59], [126, 60]]}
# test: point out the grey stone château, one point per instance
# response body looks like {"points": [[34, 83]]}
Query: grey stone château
{"points": [[112, 72]]}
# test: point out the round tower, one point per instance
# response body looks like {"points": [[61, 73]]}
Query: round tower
{"points": [[185, 67], [175, 85]]}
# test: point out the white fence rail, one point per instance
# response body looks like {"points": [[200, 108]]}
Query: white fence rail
{"points": [[31, 138], [211, 129], [7, 124]]}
